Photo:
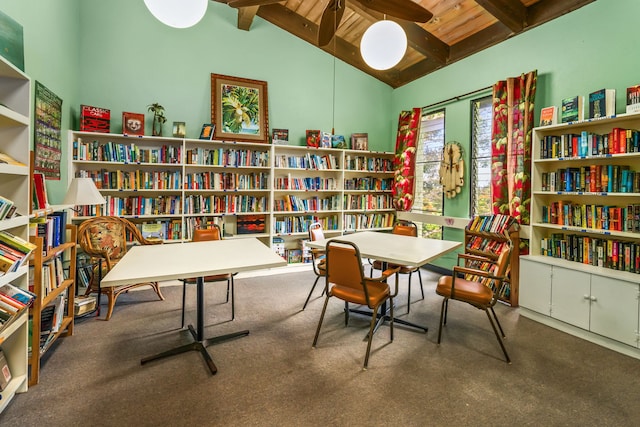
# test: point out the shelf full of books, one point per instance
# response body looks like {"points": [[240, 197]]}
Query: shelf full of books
{"points": [[168, 186]]}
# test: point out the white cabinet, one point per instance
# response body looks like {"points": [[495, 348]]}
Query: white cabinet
{"points": [[15, 108], [614, 309], [535, 286]]}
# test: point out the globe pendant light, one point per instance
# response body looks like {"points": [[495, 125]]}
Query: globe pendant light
{"points": [[383, 45], [177, 13]]}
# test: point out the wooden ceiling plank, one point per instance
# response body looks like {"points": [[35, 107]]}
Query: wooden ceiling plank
{"points": [[479, 41], [511, 13], [245, 16]]}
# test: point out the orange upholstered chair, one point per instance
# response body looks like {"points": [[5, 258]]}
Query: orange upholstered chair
{"points": [[405, 228], [317, 257], [345, 280], [204, 234], [479, 283], [105, 239]]}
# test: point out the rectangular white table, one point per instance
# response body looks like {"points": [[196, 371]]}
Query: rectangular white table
{"points": [[394, 249], [152, 263]]}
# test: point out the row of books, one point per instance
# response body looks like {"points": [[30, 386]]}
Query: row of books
{"points": [[483, 245], [224, 204], [138, 205], [593, 179], [306, 184], [368, 201], [308, 161], [125, 153], [163, 229], [52, 229], [300, 224], [608, 253], [497, 224], [228, 181], [133, 180], [14, 251], [302, 254], [7, 208], [227, 157], [52, 275], [13, 301], [292, 203], [369, 184], [593, 217], [352, 222], [51, 318], [589, 144], [369, 164]]}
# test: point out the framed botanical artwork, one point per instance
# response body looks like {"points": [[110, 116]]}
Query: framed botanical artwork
{"points": [[360, 141], [132, 123], [207, 131], [239, 109]]}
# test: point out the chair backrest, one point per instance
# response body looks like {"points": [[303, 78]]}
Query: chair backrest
{"points": [[344, 266], [203, 234], [316, 232], [499, 269], [405, 228], [107, 236]]}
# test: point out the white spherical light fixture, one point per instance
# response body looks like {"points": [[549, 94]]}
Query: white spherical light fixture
{"points": [[383, 45], [177, 13]]}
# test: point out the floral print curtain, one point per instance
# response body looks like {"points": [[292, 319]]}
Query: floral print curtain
{"points": [[513, 106], [404, 162]]}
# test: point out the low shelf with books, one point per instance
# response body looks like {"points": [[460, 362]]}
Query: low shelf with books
{"points": [[52, 311], [585, 231]]}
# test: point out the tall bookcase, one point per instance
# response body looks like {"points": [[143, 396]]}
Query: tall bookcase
{"points": [[249, 189], [53, 288], [15, 134], [583, 271]]}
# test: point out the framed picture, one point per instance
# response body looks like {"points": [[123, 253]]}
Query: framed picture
{"points": [[313, 138], [360, 141], [207, 131], [132, 123], [325, 140], [239, 109], [179, 129], [338, 141], [280, 136]]}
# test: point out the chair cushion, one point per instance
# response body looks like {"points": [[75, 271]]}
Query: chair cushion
{"points": [[378, 292], [107, 237], [472, 292]]}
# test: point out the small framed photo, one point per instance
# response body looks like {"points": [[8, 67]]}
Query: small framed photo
{"points": [[280, 136], [360, 141], [313, 138], [338, 141], [133, 123], [179, 129], [207, 131]]}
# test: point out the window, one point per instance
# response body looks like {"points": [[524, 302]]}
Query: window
{"points": [[428, 191], [481, 122]]}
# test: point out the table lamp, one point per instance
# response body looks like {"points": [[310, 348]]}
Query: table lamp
{"points": [[82, 192]]}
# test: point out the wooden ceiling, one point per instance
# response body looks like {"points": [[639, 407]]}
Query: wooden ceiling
{"points": [[459, 28]]}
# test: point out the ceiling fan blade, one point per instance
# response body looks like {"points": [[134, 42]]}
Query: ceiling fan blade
{"points": [[331, 17], [246, 3], [403, 9]]}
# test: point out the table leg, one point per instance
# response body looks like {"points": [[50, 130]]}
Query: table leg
{"points": [[200, 344]]}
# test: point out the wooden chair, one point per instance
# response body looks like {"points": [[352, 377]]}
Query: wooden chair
{"points": [[479, 283], [105, 239], [405, 228], [204, 234], [317, 257], [346, 281]]}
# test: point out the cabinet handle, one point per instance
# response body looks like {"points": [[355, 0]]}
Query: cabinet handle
{"points": [[587, 296], [593, 299]]}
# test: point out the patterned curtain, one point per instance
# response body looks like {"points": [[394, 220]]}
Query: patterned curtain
{"points": [[513, 105], [404, 162]]}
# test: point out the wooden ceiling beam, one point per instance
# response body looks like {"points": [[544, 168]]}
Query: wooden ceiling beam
{"points": [[546, 10], [488, 37], [245, 16], [511, 13]]}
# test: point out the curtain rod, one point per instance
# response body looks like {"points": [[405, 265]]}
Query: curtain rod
{"points": [[457, 98]]}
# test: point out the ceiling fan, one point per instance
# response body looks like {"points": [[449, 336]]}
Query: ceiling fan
{"points": [[332, 14]]}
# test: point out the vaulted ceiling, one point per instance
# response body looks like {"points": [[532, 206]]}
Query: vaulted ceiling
{"points": [[458, 28]]}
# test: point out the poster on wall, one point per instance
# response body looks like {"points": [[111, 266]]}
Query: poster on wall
{"points": [[47, 142]]}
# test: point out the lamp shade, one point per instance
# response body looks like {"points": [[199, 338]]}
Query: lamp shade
{"points": [[177, 13], [383, 45], [83, 191]]}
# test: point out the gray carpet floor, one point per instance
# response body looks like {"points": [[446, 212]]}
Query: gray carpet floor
{"points": [[273, 377]]}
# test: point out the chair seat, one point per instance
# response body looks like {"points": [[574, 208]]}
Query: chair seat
{"points": [[214, 278], [472, 292], [378, 292]]}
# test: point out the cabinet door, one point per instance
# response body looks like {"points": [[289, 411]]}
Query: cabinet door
{"points": [[614, 309], [570, 296], [535, 286]]}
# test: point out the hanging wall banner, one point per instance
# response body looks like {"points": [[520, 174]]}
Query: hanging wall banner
{"points": [[47, 142], [404, 162]]}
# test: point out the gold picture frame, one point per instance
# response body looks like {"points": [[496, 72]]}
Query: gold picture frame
{"points": [[239, 109]]}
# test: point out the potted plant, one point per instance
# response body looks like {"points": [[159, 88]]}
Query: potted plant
{"points": [[158, 118]]}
